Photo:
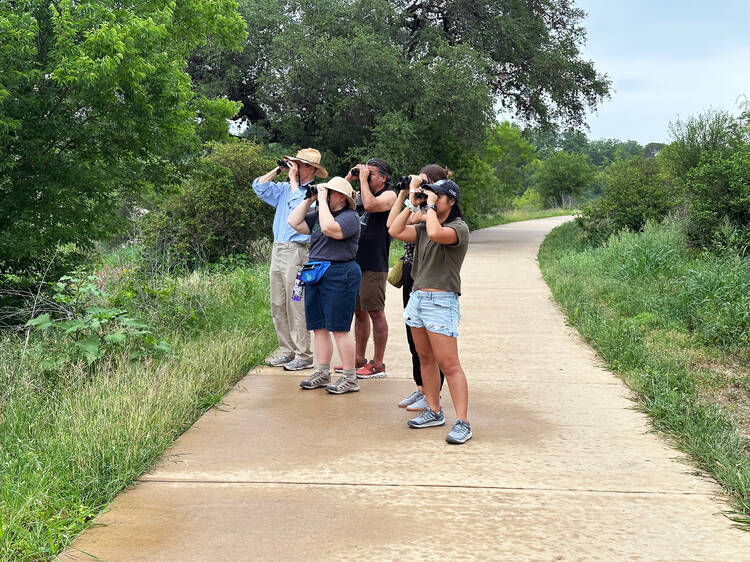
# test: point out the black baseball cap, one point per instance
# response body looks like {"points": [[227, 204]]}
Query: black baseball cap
{"points": [[446, 187]]}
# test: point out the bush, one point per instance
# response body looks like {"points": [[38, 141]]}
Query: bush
{"points": [[635, 191], [562, 177], [708, 133], [720, 201], [717, 301], [217, 213], [531, 200]]}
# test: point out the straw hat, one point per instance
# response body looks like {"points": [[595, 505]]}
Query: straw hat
{"points": [[339, 184], [312, 157]]}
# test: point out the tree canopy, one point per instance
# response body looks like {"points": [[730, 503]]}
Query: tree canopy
{"points": [[94, 104], [335, 74]]}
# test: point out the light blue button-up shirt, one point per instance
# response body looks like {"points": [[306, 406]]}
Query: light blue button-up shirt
{"points": [[281, 196]]}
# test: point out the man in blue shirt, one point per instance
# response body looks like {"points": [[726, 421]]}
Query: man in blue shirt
{"points": [[290, 249]]}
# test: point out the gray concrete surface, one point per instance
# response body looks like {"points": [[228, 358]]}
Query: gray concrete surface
{"points": [[561, 467]]}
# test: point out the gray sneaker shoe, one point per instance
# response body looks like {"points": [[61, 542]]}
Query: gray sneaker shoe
{"points": [[280, 361], [298, 364], [420, 404], [316, 380], [413, 397], [427, 418], [343, 385], [460, 433]]}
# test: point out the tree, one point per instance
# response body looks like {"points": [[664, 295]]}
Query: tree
{"points": [[635, 191], [562, 176], [508, 152], [95, 105], [327, 73], [708, 133]]}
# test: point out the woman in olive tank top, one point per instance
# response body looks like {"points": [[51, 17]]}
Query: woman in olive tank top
{"points": [[441, 239]]}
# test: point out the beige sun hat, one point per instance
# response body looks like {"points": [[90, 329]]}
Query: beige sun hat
{"points": [[342, 186], [312, 157]]}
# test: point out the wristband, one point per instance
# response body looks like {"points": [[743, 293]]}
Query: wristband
{"points": [[433, 207], [408, 204]]}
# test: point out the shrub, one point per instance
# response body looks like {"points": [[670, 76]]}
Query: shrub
{"points": [[720, 201], [635, 191], [562, 176], [530, 200], [710, 132], [717, 301], [217, 213]]}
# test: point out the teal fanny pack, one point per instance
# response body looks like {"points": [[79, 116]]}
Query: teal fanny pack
{"points": [[313, 271]]}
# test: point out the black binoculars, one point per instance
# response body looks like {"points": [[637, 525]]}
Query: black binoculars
{"points": [[405, 181], [312, 189], [283, 165]]}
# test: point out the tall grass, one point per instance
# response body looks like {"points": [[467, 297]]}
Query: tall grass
{"points": [[673, 324], [71, 440]]}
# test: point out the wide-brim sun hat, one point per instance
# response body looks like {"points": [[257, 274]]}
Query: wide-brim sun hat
{"points": [[342, 186], [312, 157]]}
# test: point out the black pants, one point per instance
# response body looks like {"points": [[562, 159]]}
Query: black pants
{"points": [[416, 367]]}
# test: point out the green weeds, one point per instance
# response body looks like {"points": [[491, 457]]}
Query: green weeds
{"points": [[673, 324], [72, 437]]}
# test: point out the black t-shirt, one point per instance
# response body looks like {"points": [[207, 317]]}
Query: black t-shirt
{"points": [[374, 240]]}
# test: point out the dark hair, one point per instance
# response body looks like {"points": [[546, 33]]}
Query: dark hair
{"points": [[455, 213], [435, 173], [383, 167]]}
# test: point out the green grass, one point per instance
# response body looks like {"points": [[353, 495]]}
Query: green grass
{"points": [[71, 440], [673, 324]]}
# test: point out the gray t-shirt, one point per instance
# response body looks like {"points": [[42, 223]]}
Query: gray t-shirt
{"points": [[438, 266], [324, 247]]}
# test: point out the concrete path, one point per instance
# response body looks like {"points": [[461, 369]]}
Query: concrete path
{"points": [[561, 466]]}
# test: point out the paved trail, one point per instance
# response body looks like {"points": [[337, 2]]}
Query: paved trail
{"points": [[561, 466]]}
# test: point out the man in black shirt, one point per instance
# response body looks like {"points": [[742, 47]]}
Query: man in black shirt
{"points": [[373, 205]]}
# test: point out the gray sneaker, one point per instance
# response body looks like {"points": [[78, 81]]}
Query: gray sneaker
{"points": [[280, 361], [427, 418], [413, 397], [316, 380], [298, 364], [420, 404], [343, 385], [460, 433]]}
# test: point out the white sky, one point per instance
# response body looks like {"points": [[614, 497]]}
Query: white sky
{"points": [[666, 59]]}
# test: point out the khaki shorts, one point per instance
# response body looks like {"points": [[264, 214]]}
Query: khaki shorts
{"points": [[372, 291]]}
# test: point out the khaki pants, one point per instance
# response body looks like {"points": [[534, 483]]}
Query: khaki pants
{"points": [[288, 315]]}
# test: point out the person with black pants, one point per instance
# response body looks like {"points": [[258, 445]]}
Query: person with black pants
{"points": [[416, 400]]}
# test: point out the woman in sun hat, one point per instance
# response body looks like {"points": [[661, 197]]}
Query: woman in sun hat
{"points": [[441, 242], [290, 250], [329, 302]]}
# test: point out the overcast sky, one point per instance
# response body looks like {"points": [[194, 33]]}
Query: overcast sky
{"points": [[666, 59]]}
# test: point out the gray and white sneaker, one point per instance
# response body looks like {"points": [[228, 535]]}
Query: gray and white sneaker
{"points": [[460, 433], [413, 397], [298, 364], [427, 418], [420, 404], [280, 361], [316, 380], [343, 385]]}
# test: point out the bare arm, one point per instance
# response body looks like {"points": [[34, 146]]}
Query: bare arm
{"points": [[436, 231], [328, 224], [297, 217], [397, 206], [372, 204], [401, 229]]}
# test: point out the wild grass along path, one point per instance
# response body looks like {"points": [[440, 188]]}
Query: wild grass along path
{"points": [[561, 466]]}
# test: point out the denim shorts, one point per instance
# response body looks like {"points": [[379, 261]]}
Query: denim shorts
{"points": [[329, 303], [437, 312]]}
